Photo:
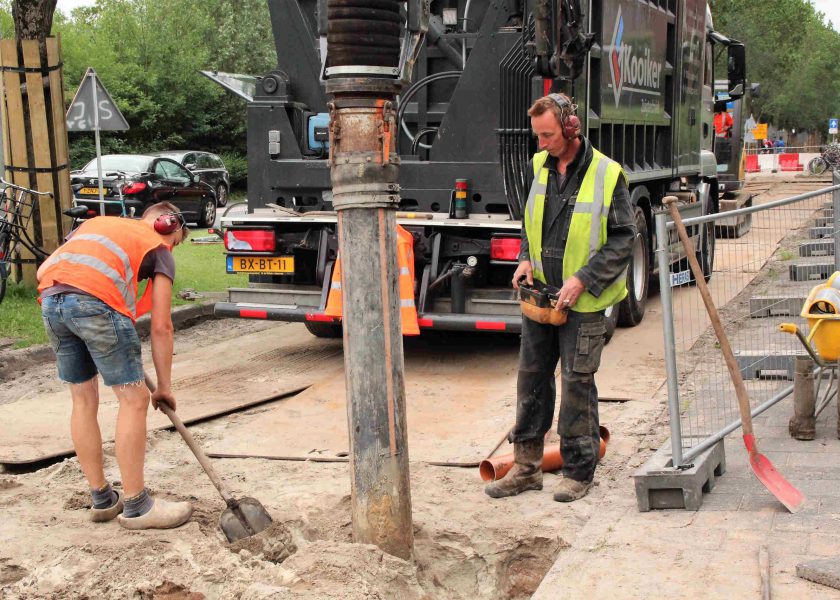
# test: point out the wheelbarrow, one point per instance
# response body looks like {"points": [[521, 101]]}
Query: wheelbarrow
{"points": [[821, 310]]}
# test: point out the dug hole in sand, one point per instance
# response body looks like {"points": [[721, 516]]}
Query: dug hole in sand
{"points": [[467, 545]]}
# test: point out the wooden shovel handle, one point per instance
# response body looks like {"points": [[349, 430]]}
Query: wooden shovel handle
{"points": [[726, 349], [196, 449]]}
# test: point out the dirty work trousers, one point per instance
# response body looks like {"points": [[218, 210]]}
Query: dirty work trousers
{"points": [[577, 345]]}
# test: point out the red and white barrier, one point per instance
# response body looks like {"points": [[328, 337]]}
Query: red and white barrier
{"points": [[773, 163]]}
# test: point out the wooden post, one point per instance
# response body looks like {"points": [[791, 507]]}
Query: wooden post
{"points": [[34, 131]]}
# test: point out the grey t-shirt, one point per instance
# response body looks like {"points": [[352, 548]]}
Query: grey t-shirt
{"points": [[159, 260]]}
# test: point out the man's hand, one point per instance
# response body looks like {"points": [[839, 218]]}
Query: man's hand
{"points": [[166, 397], [569, 293], [523, 270]]}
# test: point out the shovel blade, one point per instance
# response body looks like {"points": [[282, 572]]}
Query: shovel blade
{"points": [[245, 520], [774, 481]]}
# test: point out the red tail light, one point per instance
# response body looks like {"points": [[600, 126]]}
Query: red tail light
{"points": [[134, 188], [505, 249], [254, 240]]}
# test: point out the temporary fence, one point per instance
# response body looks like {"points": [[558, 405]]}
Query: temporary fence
{"points": [[766, 258]]}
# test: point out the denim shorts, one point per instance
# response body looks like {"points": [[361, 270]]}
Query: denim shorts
{"points": [[90, 337]]}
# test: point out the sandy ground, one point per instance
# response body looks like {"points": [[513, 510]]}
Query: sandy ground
{"points": [[466, 544]]}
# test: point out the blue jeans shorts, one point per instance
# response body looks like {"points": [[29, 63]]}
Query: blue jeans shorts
{"points": [[90, 337]]}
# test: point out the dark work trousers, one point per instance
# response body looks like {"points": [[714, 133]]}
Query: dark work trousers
{"points": [[577, 345]]}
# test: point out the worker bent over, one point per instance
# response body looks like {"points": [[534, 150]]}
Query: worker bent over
{"points": [[578, 233], [88, 295]]}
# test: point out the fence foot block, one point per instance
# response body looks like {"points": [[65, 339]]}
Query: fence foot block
{"points": [[811, 271], [660, 486], [737, 226], [776, 306]]}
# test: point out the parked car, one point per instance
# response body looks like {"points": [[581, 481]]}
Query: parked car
{"points": [[137, 181], [209, 167]]}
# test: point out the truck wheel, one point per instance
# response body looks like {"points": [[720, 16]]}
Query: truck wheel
{"points": [[631, 311], [323, 330], [706, 251], [611, 316]]}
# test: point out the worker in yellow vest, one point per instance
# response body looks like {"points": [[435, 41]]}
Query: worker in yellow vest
{"points": [[578, 234]]}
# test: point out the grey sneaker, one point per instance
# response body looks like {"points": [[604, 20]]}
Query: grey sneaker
{"points": [[163, 515], [103, 515], [570, 490]]}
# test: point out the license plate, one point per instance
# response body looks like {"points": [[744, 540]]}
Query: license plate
{"points": [[92, 191], [260, 264]]}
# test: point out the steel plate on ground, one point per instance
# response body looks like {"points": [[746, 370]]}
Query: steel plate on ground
{"points": [[460, 396], [256, 367]]}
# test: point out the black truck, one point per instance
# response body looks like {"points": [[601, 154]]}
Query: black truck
{"points": [[642, 73]]}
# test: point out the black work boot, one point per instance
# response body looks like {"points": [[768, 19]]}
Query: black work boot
{"points": [[526, 473]]}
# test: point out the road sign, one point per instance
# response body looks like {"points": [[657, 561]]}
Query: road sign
{"points": [[833, 126], [93, 108], [760, 131]]}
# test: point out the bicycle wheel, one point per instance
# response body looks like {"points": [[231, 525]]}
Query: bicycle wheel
{"points": [[817, 165]]}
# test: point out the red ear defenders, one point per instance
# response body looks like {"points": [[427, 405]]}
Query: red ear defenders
{"points": [[570, 122], [169, 223]]}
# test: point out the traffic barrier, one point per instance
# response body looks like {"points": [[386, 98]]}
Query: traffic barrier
{"points": [[790, 162], [752, 164], [700, 391]]}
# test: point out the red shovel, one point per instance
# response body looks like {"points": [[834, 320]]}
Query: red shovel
{"points": [[767, 474]]}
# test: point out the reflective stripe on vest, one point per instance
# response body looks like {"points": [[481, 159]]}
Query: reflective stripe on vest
{"points": [[103, 258], [587, 228]]}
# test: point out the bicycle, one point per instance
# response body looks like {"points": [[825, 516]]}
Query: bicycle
{"points": [[827, 161], [16, 207]]}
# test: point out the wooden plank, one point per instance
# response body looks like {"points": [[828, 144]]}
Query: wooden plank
{"points": [[63, 192], [17, 132], [40, 146]]}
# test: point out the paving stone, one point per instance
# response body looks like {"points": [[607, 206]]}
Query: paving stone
{"points": [[777, 543], [814, 459], [823, 544], [762, 503], [735, 520], [825, 571], [715, 501], [809, 523]]}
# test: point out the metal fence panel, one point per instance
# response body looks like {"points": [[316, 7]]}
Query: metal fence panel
{"points": [[761, 278]]}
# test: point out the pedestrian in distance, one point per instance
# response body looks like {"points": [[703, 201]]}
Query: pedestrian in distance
{"points": [[779, 145], [88, 293], [577, 235]]}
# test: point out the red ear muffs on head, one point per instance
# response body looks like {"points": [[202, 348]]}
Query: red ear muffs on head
{"points": [[570, 123], [168, 223]]}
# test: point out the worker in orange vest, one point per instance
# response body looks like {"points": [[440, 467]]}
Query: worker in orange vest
{"points": [[88, 294], [405, 261]]}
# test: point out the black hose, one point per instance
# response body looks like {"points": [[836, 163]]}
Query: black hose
{"points": [[409, 93], [363, 33]]}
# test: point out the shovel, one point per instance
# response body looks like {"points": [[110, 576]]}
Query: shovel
{"points": [[243, 517], [763, 469]]}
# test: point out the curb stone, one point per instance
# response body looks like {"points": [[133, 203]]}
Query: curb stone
{"points": [[13, 362]]}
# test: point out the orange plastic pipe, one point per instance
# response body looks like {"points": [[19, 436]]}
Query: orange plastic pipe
{"points": [[496, 467]]}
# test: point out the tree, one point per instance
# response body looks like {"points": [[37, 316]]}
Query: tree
{"points": [[33, 18]]}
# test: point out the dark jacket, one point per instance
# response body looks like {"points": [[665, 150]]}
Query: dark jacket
{"points": [[613, 257]]}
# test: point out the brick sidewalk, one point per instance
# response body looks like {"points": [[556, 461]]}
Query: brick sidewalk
{"points": [[713, 553]]}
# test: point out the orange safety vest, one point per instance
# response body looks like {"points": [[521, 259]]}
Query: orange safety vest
{"points": [[405, 262], [103, 259]]}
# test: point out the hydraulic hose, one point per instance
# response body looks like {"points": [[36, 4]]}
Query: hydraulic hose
{"points": [[363, 32]]}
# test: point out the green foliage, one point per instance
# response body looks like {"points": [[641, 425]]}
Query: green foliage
{"points": [[148, 54], [237, 166], [792, 52]]}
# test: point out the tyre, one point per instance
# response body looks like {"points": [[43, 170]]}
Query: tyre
{"points": [[611, 316], [631, 311], [817, 165], [706, 251], [323, 330], [2, 288], [221, 195], [208, 213]]}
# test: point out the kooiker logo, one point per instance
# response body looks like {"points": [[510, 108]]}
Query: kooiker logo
{"points": [[630, 72]]}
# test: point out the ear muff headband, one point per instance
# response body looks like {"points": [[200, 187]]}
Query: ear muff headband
{"points": [[570, 122], [169, 223]]}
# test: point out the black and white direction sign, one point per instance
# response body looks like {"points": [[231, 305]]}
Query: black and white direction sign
{"points": [[93, 108]]}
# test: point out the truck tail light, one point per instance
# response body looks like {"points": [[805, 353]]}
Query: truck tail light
{"points": [[133, 188], [254, 240], [505, 249]]}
